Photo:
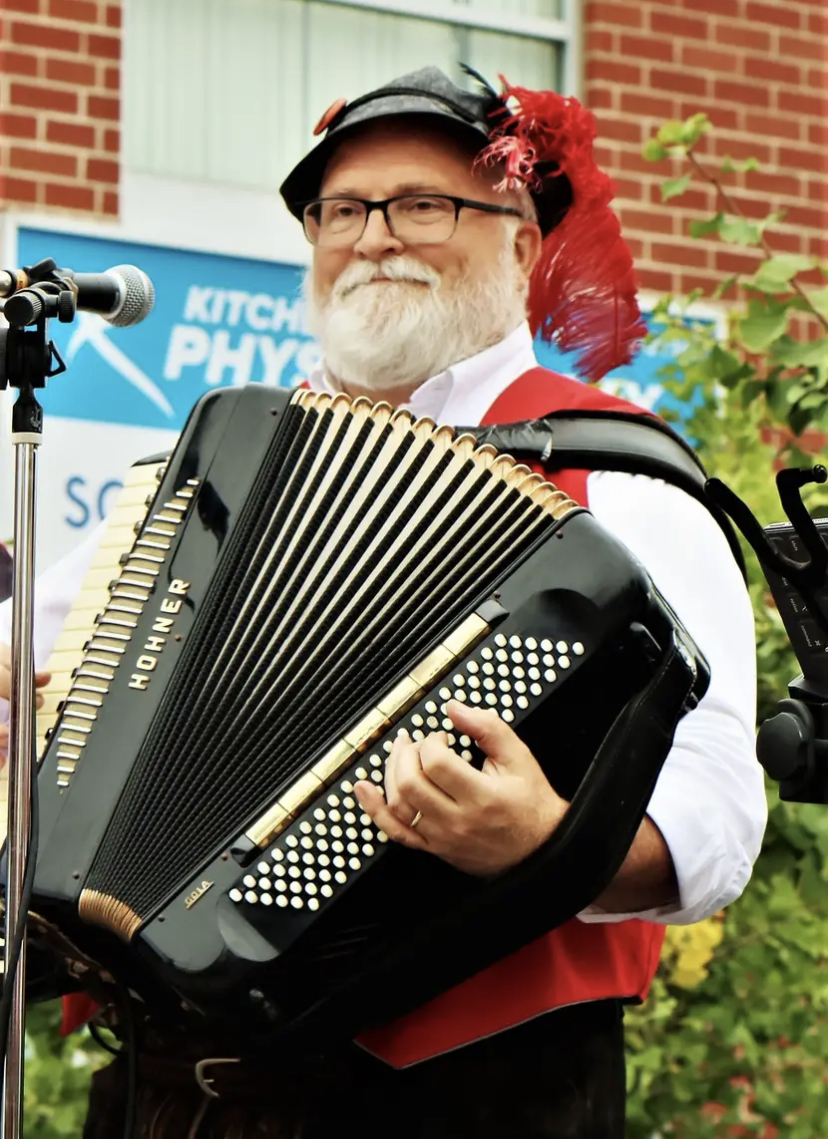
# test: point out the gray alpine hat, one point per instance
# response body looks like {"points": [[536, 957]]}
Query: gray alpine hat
{"points": [[467, 115]]}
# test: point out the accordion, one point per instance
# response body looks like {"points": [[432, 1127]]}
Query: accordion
{"points": [[301, 579]]}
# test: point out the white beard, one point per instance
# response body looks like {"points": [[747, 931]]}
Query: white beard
{"points": [[395, 335]]}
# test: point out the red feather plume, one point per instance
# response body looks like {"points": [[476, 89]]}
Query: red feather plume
{"points": [[582, 293]]}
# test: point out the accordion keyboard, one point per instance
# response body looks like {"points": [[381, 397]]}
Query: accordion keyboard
{"points": [[128, 514]]}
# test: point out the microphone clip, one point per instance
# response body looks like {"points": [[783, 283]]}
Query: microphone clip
{"points": [[27, 357]]}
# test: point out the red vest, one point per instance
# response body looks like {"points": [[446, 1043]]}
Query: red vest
{"points": [[577, 962]]}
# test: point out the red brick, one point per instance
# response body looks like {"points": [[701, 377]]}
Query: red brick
{"points": [[771, 127], [79, 11], [105, 47], [729, 261], [818, 134], [70, 197], [690, 282], [779, 15], [818, 23], [102, 170], [636, 247], [17, 189], [722, 118], [678, 81], [111, 204], [621, 15], [600, 98], [783, 185], [655, 279], [112, 141], [800, 47], [669, 24], [803, 160], [632, 162], [18, 126], [44, 161], [31, 7], [787, 242], [627, 189], [636, 103], [611, 71], [752, 96], [44, 35], [691, 255], [623, 130], [112, 79], [802, 103], [71, 71], [647, 47], [101, 108], [600, 39], [17, 63], [698, 198], [818, 79], [44, 98], [730, 8], [651, 221], [113, 16], [742, 36], [740, 148], [70, 134], [760, 67], [806, 217], [702, 57], [817, 191]]}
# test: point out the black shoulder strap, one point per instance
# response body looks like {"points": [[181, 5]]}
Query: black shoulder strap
{"points": [[610, 441]]}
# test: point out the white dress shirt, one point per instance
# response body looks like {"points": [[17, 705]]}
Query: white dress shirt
{"points": [[709, 802]]}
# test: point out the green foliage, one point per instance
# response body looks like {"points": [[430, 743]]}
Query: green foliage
{"points": [[733, 1040], [58, 1071]]}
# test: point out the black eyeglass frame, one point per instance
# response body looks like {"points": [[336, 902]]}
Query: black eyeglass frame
{"points": [[458, 203]]}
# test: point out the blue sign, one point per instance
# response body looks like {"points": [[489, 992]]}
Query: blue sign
{"points": [[217, 321]]}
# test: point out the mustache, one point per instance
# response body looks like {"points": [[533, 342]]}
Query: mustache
{"points": [[391, 269]]}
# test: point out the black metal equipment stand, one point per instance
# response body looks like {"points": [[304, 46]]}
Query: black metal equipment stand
{"points": [[27, 360], [792, 746]]}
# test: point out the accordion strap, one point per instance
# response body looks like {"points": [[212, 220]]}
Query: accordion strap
{"points": [[554, 884], [587, 439]]}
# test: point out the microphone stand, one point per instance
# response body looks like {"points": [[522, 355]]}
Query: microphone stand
{"points": [[26, 358]]}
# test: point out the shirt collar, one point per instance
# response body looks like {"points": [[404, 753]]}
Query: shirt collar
{"points": [[463, 393]]}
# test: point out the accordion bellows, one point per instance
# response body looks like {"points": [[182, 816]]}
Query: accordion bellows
{"points": [[313, 574]]}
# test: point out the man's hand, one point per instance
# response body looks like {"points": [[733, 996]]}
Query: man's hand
{"points": [[41, 679], [482, 822]]}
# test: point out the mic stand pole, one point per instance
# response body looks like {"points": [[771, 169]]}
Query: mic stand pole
{"points": [[27, 419], [25, 362]]}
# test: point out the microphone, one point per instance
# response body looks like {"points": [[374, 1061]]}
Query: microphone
{"points": [[123, 295]]}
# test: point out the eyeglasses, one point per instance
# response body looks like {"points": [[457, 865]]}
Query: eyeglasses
{"points": [[416, 219]]}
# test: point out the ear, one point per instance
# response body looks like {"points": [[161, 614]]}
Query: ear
{"points": [[527, 245]]}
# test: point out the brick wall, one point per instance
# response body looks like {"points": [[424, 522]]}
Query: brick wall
{"points": [[760, 71], [60, 81]]}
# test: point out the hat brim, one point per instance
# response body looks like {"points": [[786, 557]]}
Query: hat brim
{"points": [[305, 179]]}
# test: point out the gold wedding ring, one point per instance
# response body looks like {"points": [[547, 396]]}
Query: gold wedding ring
{"points": [[415, 822]]}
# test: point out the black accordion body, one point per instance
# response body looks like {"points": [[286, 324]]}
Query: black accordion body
{"points": [[312, 575]]}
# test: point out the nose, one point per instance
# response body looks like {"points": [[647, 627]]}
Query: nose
{"points": [[377, 240]]}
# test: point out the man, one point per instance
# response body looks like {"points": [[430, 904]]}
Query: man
{"points": [[437, 219]]}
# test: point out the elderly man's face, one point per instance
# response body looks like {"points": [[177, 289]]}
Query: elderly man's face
{"points": [[388, 313], [389, 159]]}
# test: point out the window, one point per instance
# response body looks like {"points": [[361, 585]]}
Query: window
{"points": [[228, 91]]}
